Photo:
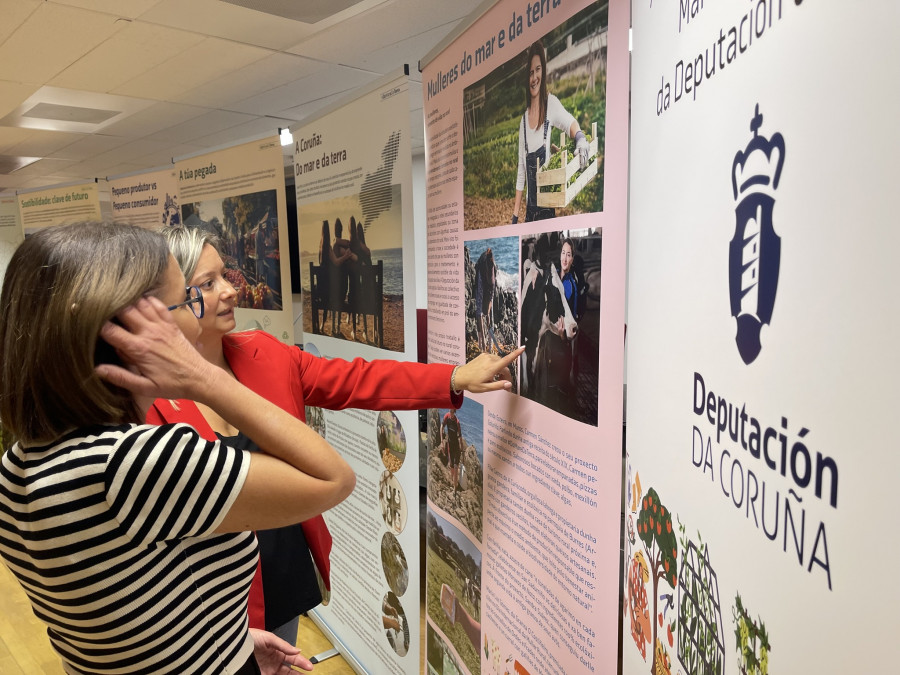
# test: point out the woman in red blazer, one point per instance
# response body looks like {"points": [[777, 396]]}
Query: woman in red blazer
{"points": [[293, 379]]}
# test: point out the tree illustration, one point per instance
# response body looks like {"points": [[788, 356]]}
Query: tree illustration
{"points": [[654, 527]]}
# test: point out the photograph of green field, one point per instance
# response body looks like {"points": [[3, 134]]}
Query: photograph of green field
{"points": [[454, 562]]}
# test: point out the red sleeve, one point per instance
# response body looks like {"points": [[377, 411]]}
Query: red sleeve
{"points": [[374, 385]]}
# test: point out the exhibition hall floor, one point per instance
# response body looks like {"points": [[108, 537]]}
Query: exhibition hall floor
{"points": [[25, 649]]}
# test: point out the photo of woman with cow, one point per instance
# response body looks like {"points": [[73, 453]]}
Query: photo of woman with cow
{"points": [[491, 283], [560, 321], [563, 75]]}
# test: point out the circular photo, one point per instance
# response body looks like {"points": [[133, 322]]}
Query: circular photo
{"points": [[310, 348], [315, 418], [393, 561], [391, 440], [394, 507], [396, 625]]}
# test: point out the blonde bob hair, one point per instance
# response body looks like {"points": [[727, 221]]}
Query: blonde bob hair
{"points": [[186, 245], [62, 285]]}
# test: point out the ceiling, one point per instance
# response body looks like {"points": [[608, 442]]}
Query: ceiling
{"points": [[97, 88]]}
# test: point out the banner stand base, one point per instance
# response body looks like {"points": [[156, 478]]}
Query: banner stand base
{"points": [[340, 647]]}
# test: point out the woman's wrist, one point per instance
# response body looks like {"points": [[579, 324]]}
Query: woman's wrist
{"points": [[453, 389]]}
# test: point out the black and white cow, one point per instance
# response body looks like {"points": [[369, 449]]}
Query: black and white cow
{"points": [[543, 305]]}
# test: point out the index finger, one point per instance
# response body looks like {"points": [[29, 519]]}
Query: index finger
{"points": [[509, 358]]}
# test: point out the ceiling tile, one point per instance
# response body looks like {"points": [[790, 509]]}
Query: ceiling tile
{"points": [[135, 49], [127, 167], [205, 61], [43, 167], [89, 146], [31, 182], [131, 151], [51, 39], [204, 125], [268, 73], [350, 40], [247, 130], [14, 13], [157, 117], [12, 94], [10, 136], [391, 56], [129, 9], [42, 143], [328, 82], [302, 112], [167, 156], [229, 22]]}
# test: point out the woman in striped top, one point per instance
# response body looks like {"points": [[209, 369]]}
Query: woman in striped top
{"points": [[132, 541]]}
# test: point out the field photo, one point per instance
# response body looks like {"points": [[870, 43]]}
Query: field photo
{"points": [[453, 588], [494, 108]]}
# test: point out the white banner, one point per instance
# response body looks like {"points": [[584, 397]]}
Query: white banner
{"points": [[64, 204], [762, 367], [353, 178], [147, 199], [11, 234], [526, 246], [238, 194]]}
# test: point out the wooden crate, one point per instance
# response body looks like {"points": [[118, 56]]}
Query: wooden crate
{"points": [[560, 177]]}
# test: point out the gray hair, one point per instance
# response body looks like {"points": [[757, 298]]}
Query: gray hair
{"points": [[186, 245]]}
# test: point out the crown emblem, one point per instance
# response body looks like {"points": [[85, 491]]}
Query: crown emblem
{"points": [[754, 255], [755, 169]]}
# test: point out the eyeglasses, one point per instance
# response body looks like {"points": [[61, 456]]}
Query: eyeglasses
{"points": [[194, 301]]}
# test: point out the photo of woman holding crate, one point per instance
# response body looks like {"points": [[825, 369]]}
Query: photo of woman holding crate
{"points": [[543, 111], [510, 143]]}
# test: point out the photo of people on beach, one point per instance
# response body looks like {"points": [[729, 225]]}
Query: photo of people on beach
{"points": [[352, 271]]}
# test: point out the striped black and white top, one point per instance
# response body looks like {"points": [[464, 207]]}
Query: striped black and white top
{"points": [[109, 531]]}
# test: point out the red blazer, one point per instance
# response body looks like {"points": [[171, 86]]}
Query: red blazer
{"points": [[292, 379]]}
